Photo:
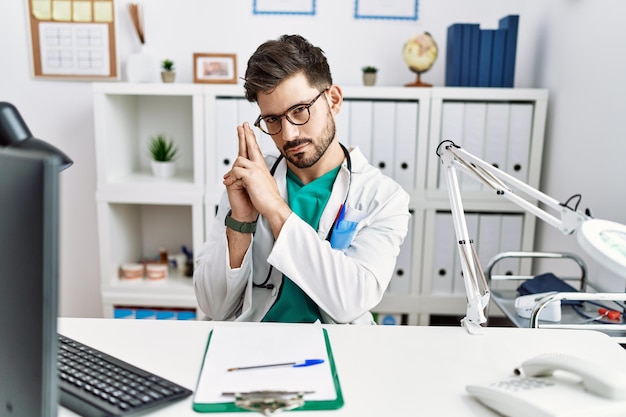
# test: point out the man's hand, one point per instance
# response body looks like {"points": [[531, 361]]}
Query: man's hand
{"points": [[251, 188]]}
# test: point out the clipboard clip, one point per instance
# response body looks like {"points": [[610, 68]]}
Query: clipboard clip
{"points": [[269, 402]]}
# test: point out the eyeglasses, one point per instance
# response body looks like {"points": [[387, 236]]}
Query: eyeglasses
{"points": [[297, 115]]}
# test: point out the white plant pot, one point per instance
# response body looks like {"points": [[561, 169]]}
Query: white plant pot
{"points": [[163, 169]]}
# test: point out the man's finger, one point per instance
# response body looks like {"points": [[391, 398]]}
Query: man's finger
{"points": [[252, 146], [243, 147]]}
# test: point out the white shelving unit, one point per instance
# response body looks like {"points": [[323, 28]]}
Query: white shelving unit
{"points": [[397, 128], [137, 212]]}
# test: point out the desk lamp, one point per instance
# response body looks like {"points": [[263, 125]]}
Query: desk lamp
{"points": [[603, 240], [15, 134]]}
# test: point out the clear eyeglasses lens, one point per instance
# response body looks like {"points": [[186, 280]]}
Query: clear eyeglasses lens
{"points": [[297, 115], [273, 124]]}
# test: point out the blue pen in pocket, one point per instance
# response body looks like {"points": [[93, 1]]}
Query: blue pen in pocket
{"points": [[345, 227]]}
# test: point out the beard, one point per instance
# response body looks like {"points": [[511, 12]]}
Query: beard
{"points": [[301, 160]]}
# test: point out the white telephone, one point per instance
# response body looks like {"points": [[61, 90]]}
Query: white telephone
{"points": [[555, 385]]}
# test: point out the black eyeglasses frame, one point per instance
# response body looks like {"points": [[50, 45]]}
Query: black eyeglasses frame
{"points": [[306, 107]]}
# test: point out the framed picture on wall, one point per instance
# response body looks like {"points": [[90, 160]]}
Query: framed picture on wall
{"points": [[304, 7], [214, 68], [385, 9]]}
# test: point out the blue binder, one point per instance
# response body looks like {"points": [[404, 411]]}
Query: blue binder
{"points": [[511, 24], [473, 32], [484, 57], [454, 45], [497, 57]]}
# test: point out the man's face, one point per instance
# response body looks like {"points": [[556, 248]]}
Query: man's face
{"points": [[302, 145]]}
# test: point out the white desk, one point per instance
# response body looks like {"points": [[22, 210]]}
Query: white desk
{"points": [[384, 371]]}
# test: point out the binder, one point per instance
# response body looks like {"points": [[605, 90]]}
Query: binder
{"points": [[510, 23], [497, 134], [510, 240], [267, 343], [361, 117], [452, 113], [445, 252], [484, 57], [401, 280], [226, 141], [520, 131], [497, 57], [384, 132], [488, 244], [473, 139], [454, 50], [473, 33], [406, 144]]}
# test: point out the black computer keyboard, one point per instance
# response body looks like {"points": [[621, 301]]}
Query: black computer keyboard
{"points": [[95, 384]]}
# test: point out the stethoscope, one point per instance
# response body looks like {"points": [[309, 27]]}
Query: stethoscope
{"points": [[265, 284]]}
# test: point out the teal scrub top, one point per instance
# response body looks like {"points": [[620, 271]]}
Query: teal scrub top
{"points": [[308, 202]]}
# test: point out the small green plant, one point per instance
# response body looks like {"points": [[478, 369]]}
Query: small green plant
{"points": [[370, 69], [167, 65], [161, 148]]}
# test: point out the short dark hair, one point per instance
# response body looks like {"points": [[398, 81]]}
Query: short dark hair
{"points": [[277, 60]]}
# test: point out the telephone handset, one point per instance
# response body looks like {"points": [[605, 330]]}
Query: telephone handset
{"points": [[556, 385]]}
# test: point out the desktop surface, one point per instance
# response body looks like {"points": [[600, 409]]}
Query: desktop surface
{"points": [[383, 370]]}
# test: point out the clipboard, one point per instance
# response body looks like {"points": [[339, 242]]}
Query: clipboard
{"points": [[307, 388]]}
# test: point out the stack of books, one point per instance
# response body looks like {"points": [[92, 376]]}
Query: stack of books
{"points": [[478, 57]]}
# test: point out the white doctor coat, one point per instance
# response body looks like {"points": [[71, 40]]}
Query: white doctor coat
{"points": [[345, 284]]}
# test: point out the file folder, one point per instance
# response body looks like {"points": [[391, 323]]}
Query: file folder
{"points": [[226, 141], [475, 114], [520, 134], [384, 128], [406, 139], [264, 343], [361, 126], [401, 280], [445, 252]]}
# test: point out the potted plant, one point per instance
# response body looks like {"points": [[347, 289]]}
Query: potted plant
{"points": [[168, 73], [369, 75], [162, 152]]}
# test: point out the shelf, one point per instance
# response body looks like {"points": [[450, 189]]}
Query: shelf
{"points": [[397, 128], [174, 285], [132, 232], [126, 119]]}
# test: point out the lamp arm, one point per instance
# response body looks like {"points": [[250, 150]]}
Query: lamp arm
{"points": [[454, 158], [569, 219]]}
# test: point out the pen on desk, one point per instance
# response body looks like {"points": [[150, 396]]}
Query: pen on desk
{"points": [[307, 362]]}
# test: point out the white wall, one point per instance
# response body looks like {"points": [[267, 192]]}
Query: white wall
{"points": [[571, 47]]}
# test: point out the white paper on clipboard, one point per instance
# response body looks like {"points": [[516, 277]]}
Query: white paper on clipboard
{"points": [[239, 346]]}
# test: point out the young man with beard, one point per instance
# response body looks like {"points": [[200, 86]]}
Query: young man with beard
{"points": [[312, 234]]}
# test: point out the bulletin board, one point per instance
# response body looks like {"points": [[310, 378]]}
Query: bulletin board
{"points": [[73, 39]]}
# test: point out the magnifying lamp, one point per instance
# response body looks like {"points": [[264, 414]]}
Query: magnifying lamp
{"points": [[603, 240], [15, 134]]}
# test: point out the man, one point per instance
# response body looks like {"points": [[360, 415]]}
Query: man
{"points": [[311, 235]]}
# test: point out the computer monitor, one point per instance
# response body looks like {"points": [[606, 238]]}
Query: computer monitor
{"points": [[28, 283]]}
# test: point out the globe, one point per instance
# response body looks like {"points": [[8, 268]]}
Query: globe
{"points": [[420, 53]]}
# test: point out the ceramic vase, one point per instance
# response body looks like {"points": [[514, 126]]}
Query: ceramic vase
{"points": [[142, 67]]}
